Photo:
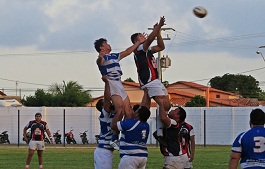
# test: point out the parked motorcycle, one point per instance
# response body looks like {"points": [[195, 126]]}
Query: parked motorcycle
{"points": [[83, 137], [57, 137], [70, 137], [4, 137]]}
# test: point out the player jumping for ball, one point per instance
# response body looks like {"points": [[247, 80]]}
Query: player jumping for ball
{"points": [[147, 71]]}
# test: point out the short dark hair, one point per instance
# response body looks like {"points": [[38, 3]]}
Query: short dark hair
{"points": [[257, 117], [38, 114], [98, 43], [99, 105], [136, 107], [134, 37], [144, 113], [182, 114]]}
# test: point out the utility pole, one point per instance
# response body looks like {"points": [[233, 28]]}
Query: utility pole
{"points": [[159, 68]]}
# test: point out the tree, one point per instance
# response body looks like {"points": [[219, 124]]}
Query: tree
{"points": [[40, 99], [247, 86], [69, 94], [129, 80], [261, 96], [196, 101]]}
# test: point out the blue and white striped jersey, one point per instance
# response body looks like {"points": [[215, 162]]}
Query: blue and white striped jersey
{"points": [[251, 145], [134, 135], [105, 119], [111, 66]]}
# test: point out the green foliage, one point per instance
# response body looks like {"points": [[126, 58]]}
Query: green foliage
{"points": [[261, 96], [129, 80], [247, 86], [69, 94], [196, 101]]}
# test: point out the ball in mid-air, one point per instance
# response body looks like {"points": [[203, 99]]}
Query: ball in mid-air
{"points": [[200, 11]]}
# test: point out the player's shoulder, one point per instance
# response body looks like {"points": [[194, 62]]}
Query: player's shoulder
{"points": [[43, 122], [189, 125]]}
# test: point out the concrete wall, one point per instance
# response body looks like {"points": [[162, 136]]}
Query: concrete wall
{"points": [[212, 125]]}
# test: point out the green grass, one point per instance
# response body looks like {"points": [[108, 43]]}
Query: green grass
{"points": [[12, 157]]}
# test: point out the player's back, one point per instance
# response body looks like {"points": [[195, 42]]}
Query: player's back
{"points": [[253, 147]]}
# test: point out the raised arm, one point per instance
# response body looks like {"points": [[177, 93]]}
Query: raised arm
{"points": [[154, 33], [162, 113], [132, 48], [160, 44], [100, 60], [118, 116], [106, 103]]}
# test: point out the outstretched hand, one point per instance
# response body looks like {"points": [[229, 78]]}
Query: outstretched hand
{"points": [[162, 21], [101, 53]]}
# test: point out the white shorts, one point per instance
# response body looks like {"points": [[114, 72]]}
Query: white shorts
{"points": [[155, 88], [175, 162], [36, 145], [103, 158], [132, 162], [116, 88]]}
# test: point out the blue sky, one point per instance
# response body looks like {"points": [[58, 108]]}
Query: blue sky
{"points": [[51, 41]]}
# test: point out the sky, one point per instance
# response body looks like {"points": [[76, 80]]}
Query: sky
{"points": [[51, 41]]}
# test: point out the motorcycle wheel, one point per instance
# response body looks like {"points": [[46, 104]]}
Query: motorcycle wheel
{"points": [[74, 141]]}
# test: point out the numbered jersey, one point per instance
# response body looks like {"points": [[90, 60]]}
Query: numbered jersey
{"points": [[146, 65], [134, 135], [251, 145], [37, 129]]}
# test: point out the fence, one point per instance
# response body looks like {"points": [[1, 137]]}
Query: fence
{"points": [[212, 125]]}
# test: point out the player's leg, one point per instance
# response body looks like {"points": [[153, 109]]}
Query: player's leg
{"points": [[30, 154], [40, 152], [128, 112], [32, 148], [40, 148]]}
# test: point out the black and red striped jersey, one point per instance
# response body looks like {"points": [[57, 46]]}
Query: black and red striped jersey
{"points": [[178, 138], [37, 129], [146, 65]]}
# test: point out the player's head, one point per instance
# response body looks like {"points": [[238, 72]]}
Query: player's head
{"points": [[257, 117], [137, 36], [143, 113], [99, 105], [102, 45], [38, 115], [136, 107], [178, 114]]}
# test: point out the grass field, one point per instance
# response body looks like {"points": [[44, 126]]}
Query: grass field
{"points": [[12, 157]]}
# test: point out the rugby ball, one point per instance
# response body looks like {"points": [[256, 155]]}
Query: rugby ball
{"points": [[200, 11]]}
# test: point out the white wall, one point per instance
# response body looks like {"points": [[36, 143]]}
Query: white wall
{"points": [[222, 124]]}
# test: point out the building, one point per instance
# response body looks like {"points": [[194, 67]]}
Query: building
{"points": [[182, 91], [9, 101]]}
